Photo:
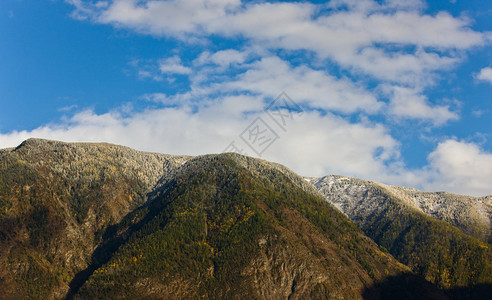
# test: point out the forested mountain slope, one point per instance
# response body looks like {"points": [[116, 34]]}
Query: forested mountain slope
{"points": [[228, 227], [56, 200], [399, 219]]}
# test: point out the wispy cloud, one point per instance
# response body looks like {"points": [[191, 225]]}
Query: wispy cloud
{"points": [[315, 88], [172, 65]]}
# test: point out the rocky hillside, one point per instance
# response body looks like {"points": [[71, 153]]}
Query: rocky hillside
{"points": [[417, 227], [228, 227]]}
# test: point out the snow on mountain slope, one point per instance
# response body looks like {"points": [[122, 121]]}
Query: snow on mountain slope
{"points": [[359, 199]]}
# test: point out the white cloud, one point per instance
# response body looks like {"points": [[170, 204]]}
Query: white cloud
{"points": [[485, 74], [145, 69], [271, 75], [414, 69], [460, 167], [406, 4], [144, 74], [85, 10], [172, 65], [409, 103], [392, 41], [174, 18], [320, 145], [370, 5], [222, 58], [314, 145]]}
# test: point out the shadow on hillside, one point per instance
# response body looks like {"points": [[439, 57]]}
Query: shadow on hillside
{"points": [[113, 237], [403, 287], [409, 287], [478, 292], [99, 257]]}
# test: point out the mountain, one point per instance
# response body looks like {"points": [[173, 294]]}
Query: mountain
{"points": [[85, 221], [226, 226], [473, 215], [426, 231]]}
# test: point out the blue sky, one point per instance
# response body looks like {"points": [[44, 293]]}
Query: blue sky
{"points": [[395, 91]]}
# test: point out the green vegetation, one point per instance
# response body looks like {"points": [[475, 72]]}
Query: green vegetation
{"points": [[39, 278], [204, 230], [46, 195], [440, 252], [200, 228], [24, 208]]}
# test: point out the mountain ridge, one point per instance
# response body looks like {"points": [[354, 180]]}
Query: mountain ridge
{"points": [[471, 214], [69, 210], [432, 247]]}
